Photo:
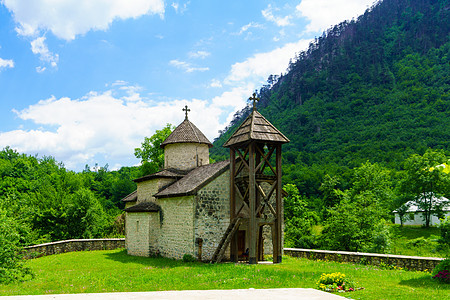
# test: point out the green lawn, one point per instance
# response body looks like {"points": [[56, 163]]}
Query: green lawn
{"points": [[417, 241], [114, 271]]}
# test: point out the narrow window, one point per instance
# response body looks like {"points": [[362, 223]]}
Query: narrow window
{"points": [[137, 226]]}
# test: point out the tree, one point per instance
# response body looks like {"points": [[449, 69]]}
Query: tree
{"points": [[332, 196], [150, 153], [298, 219], [425, 183], [356, 223], [86, 216]]}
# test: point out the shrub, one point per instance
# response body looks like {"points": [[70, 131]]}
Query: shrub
{"points": [[188, 258], [381, 239], [418, 242], [442, 271]]}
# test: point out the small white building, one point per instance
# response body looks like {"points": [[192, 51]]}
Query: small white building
{"points": [[414, 214]]}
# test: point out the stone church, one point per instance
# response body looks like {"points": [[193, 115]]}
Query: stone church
{"points": [[185, 208]]}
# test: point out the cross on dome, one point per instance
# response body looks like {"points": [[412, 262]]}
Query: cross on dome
{"points": [[254, 99], [186, 110]]}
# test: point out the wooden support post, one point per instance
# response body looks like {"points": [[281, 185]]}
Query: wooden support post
{"points": [[233, 247], [260, 243], [253, 226], [279, 216]]}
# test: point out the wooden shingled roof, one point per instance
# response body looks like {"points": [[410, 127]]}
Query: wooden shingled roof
{"points": [[130, 197], [147, 206], [186, 132], [256, 127], [194, 180], [166, 173]]}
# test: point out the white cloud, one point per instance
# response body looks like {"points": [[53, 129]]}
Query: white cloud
{"points": [[6, 63], [279, 21], [245, 28], [40, 69], [199, 54], [325, 13], [39, 47], [187, 67], [69, 18], [261, 65], [78, 131], [180, 9], [119, 83], [215, 83], [234, 99]]}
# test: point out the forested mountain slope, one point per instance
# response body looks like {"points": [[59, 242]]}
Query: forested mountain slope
{"points": [[372, 89]]}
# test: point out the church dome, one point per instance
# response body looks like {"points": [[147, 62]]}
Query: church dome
{"points": [[186, 132]]}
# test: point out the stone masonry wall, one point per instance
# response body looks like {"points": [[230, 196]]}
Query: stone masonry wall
{"points": [[142, 230], [407, 262], [212, 214], [177, 229], [186, 156], [71, 246], [146, 189]]}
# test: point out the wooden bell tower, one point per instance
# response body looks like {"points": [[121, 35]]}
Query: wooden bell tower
{"points": [[255, 180]]}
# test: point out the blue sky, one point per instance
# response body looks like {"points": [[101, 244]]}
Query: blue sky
{"points": [[85, 81]]}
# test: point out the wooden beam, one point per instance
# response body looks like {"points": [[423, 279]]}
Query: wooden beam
{"points": [[253, 228], [234, 241], [266, 200], [260, 243], [243, 157], [265, 160], [279, 216]]}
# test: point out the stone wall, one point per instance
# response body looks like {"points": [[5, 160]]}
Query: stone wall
{"points": [[406, 262], [212, 214], [72, 245], [186, 156], [146, 189], [177, 227], [142, 230]]}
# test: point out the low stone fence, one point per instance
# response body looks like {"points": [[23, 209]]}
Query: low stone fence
{"points": [[71, 246], [406, 262]]}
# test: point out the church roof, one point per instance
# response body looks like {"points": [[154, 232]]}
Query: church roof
{"points": [[194, 180], [144, 207], [186, 132], [256, 127], [130, 197], [166, 173]]}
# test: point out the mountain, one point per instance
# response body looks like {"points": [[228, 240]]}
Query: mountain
{"points": [[372, 89]]}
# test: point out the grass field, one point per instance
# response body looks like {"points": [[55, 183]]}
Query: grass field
{"points": [[114, 271], [417, 241]]}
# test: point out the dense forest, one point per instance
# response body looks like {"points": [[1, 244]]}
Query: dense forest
{"points": [[367, 110], [47, 202]]}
